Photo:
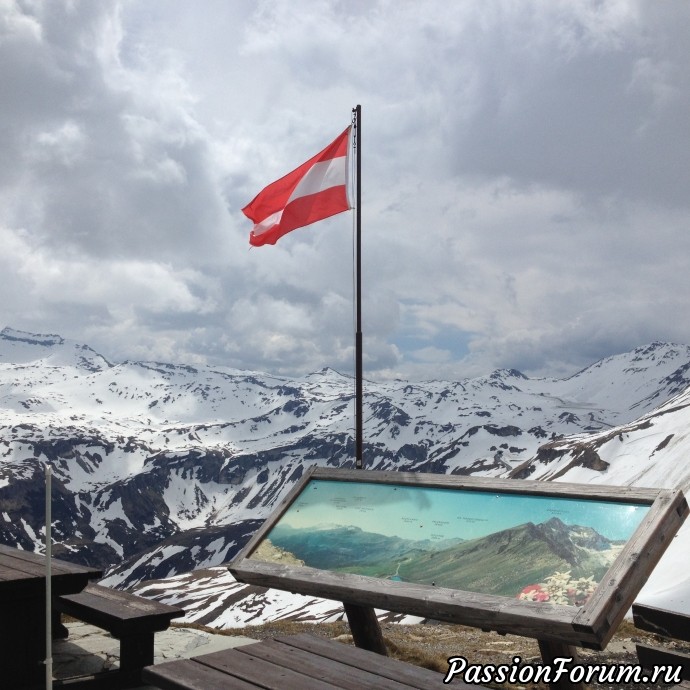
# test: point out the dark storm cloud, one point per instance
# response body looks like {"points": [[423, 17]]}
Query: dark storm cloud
{"points": [[525, 172]]}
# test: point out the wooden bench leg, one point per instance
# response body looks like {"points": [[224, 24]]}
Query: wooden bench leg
{"points": [[60, 631], [136, 651]]}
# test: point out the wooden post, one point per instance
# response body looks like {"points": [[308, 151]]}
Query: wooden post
{"points": [[366, 631], [553, 650]]}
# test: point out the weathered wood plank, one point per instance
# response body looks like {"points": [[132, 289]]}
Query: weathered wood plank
{"points": [[662, 622], [29, 569], [618, 494], [300, 661], [119, 612], [187, 674], [10, 574], [35, 562], [385, 667], [22, 574], [502, 614], [247, 666], [651, 657], [343, 676]]}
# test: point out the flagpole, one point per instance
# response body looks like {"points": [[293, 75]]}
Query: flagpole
{"points": [[359, 444], [49, 597]]}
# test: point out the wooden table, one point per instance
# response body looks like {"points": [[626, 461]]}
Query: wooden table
{"points": [[22, 610]]}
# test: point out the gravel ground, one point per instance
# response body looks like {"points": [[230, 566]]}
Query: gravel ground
{"points": [[431, 645]]}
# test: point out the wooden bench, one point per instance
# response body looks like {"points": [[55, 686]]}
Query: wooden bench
{"points": [[131, 619], [668, 624], [302, 662]]}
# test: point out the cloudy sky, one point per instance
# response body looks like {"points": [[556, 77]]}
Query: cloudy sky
{"points": [[526, 180]]}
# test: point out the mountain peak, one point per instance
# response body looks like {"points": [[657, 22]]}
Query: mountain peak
{"points": [[508, 374], [46, 340], [22, 347]]}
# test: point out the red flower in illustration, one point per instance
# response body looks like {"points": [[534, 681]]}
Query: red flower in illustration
{"points": [[530, 588], [560, 588]]}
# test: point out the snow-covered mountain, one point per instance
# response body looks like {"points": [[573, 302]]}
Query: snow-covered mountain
{"points": [[162, 468]]}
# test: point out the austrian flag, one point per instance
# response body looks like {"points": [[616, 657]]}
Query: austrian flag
{"points": [[312, 192]]}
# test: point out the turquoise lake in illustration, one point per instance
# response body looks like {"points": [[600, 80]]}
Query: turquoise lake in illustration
{"points": [[538, 548]]}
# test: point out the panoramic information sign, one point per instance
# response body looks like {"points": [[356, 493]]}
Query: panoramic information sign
{"points": [[555, 561], [537, 548]]}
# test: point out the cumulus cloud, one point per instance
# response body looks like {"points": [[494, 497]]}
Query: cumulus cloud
{"points": [[525, 179]]}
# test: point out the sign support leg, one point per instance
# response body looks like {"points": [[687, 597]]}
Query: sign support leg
{"points": [[366, 631], [558, 650]]}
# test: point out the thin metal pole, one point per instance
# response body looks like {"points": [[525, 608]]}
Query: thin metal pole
{"points": [[49, 588], [359, 426]]}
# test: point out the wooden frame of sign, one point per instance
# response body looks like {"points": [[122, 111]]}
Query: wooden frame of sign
{"points": [[590, 625]]}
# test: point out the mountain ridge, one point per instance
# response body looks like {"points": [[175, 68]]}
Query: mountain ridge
{"points": [[144, 452]]}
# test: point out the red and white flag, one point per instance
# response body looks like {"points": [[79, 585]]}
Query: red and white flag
{"points": [[316, 190]]}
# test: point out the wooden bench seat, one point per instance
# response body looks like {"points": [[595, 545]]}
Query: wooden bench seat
{"points": [[301, 661], [669, 624], [130, 618]]}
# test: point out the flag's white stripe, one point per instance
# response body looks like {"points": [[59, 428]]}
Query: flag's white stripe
{"points": [[323, 175], [268, 223]]}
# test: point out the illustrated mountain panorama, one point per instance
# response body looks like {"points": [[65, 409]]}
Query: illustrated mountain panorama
{"points": [[502, 563], [163, 470]]}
